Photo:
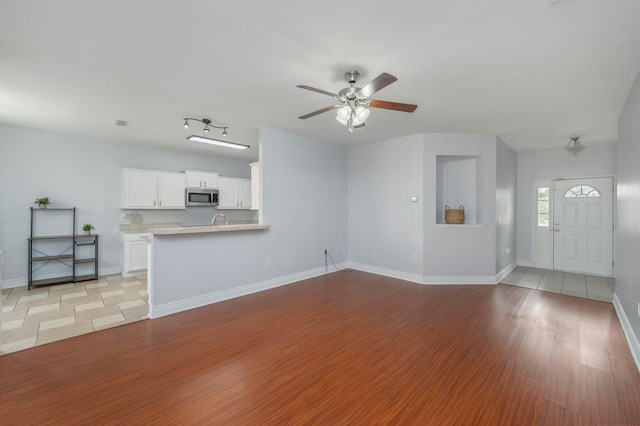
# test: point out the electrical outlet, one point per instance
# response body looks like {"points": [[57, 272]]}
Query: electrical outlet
{"points": [[414, 257], [507, 252], [267, 261]]}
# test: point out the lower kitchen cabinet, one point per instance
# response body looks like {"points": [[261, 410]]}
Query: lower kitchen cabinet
{"points": [[135, 249]]}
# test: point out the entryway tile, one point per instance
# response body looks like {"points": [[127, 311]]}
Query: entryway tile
{"points": [[569, 283], [10, 325], [46, 325], [18, 345], [105, 322]]}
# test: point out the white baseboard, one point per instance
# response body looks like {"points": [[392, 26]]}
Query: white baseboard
{"points": [[525, 263], [13, 283], [423, 279], [406, 276], [207, 299], [632, 340], [506, 271], [461, 280], [22, 281]]}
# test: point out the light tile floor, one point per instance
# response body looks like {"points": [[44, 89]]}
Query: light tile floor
{"points": [[43, 315], [580, 285]]}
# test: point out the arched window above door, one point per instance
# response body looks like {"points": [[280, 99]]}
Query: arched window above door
{"points": [[582, 191]]}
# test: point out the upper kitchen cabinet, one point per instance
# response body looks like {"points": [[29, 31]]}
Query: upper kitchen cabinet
{"points": [[255, 186], [203, 180], [150, 189], [235, 193]]}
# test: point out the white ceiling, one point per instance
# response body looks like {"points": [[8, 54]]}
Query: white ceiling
{"points": [[534, 72]]}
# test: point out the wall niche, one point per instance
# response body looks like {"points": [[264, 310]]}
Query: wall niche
{"points": [[458, 183]]}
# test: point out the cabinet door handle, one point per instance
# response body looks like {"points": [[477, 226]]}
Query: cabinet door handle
{"points": [[154, 203], [160, 202]]}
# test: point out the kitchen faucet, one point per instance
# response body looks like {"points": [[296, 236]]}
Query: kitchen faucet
{"points": [[213, 221]]}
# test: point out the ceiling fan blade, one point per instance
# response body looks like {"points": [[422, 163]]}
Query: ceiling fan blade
{"points": [[320, 111], [378, 83], [313, 89], [396, 106]]}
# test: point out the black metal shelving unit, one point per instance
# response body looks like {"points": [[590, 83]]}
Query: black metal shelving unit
{"points": [[65, 249]]}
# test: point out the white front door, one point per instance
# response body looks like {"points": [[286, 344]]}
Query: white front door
{"points": [[583, 225]]}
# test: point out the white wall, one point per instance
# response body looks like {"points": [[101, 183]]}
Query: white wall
{"points": [[506, 179], [599, 160], [386, 229], [305, 205], [385, 226], [82, 172], [304, 200], [456, 251], [627, 244]]}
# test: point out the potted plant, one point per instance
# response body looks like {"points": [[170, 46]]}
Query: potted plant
{"points": [[42, 202], [87, 227]]}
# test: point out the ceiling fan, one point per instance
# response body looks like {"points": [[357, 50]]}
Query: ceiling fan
{"points": [[353, 101]]}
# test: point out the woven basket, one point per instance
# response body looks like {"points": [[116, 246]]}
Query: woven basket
{"points": [[455, 216]]}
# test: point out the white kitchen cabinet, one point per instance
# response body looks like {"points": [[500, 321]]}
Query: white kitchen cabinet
{"points": [[235, 193], [150, 189], [255, 186], [134, 254], [203, 180]]}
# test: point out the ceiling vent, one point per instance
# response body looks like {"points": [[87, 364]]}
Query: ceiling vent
{"points": [[122, 123]]}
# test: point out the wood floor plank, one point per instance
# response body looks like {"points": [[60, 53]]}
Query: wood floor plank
{"points": [[343, 348]]}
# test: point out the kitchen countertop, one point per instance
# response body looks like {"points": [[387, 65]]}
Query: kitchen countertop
{"points": [[139, 228], [204, 229]]}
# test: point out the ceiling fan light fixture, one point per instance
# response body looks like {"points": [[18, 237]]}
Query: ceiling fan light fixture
{"points": [[344, 113], [186, 123], [361, 113], [353, 109]]}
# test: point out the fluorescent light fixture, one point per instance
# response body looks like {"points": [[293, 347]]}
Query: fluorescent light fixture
{"points": [[217, 142]]}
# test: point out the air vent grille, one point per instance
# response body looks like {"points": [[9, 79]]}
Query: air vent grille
{"points": [[122, 123]]}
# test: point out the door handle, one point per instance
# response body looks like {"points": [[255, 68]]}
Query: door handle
{"points": [[557, 229]]}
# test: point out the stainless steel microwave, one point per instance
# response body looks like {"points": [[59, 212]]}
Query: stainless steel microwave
{"points": [[198, 197]]}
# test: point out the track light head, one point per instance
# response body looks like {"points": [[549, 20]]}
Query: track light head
{"points": [[208, 124]]}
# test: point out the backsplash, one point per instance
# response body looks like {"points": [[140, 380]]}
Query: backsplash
{"points": [[189, 216]]}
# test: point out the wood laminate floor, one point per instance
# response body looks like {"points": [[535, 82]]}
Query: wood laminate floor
{"points": [[343, 348]]}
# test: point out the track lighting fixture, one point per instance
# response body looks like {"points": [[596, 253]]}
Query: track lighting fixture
{"points": [[207, 125]]}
